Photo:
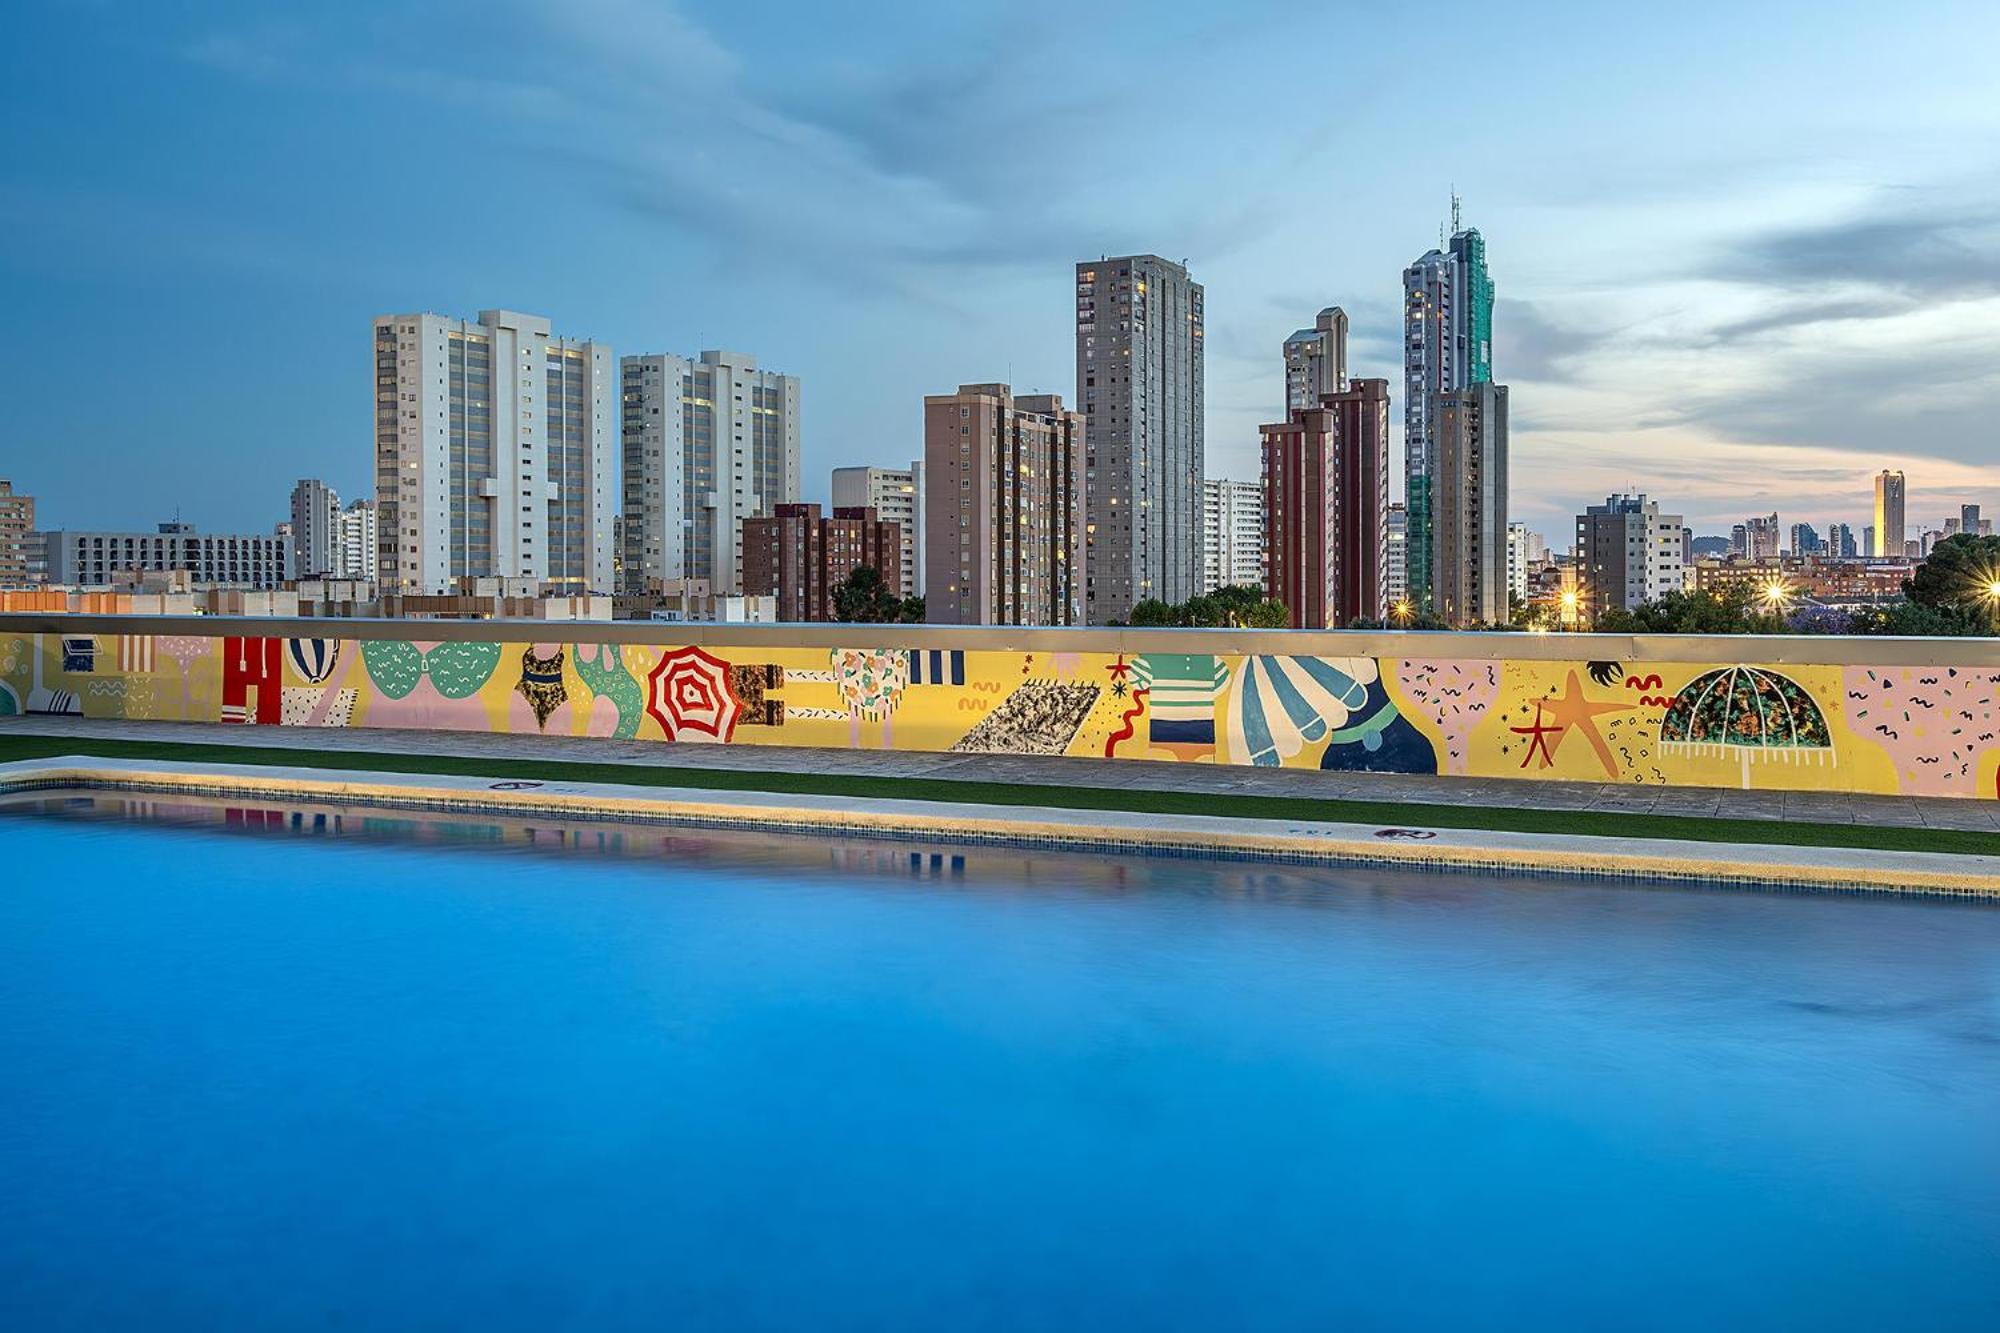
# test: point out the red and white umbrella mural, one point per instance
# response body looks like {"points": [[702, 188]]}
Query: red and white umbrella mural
{"points": [[691, 697]]}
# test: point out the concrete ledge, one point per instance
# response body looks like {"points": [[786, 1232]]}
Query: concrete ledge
{"points": [[1771, 650], [1708, 864]]}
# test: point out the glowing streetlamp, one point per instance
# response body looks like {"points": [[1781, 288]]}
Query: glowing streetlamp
{"points": [[1570, 602], [1401, 612], [1776, 596]]}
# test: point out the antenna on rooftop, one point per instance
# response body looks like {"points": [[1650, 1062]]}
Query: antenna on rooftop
{"points": [[1454, 211]]}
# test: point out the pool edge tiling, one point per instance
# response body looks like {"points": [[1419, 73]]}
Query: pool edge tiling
{"points": [[1413, 846]]}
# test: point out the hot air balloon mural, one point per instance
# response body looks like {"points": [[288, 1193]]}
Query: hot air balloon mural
{"points": [[1281, 704], [1751, 713]]}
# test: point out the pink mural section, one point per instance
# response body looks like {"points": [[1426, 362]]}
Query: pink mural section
{"points": [[1936, 723], [1453, 696]]}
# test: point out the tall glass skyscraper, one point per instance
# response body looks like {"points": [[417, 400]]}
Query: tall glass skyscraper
{"points": [[1447, 345]]}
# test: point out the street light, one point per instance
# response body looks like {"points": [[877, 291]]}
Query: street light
{"points": [[1401, 612], [1776, 595], [1569, 605]]}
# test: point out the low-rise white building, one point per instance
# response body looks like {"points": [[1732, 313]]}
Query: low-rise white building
{"points": [[211, 559]]}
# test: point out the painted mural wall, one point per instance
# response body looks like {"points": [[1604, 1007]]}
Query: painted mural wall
{"points": [[1927, 731]]}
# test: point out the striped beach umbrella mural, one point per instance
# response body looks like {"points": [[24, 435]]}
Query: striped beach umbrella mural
{"points": [[1279, 705], [691, 698]]}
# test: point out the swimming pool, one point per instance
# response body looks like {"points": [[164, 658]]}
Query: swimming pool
{"points": [[303, 1065]]}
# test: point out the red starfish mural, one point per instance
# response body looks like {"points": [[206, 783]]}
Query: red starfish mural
{"points": [[1554, 718]]}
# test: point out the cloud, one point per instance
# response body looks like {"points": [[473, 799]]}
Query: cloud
{"points": [[1535, 346], [265, 53], [1952, 256], [1810, 314]]}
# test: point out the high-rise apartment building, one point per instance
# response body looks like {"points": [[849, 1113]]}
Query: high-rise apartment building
{"points": [[897, 495], [1004, 483], [1517, 561], [1806, 540], [1755, 538], [1840, 541], [802, 558], [1395, 569], [493, 453], [1469, 506], [17, 520], [1447, 346], [1326, 499], [1232, 534], [315, 529], [1968, 519], [357, 552], [1889, 539], [708, 443], [1139, 373], [1316, 360], [1628, 552]]}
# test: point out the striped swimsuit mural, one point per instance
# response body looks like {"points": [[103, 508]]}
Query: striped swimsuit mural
{"points": [[1181, 692]]}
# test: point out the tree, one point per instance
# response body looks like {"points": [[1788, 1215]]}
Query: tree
{"points": [[1916, 620], [1267, 614], [1239, 606], [1236, 603], [913, 611], [866, 599], [1727, 611], [1962, 571]]}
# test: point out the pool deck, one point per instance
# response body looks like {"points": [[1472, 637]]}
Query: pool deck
{"points": [[1712, 865], [938, 818], [1810, 807]]}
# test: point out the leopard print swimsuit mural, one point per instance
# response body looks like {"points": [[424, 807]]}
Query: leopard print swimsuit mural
{"points": [[542, 684]]}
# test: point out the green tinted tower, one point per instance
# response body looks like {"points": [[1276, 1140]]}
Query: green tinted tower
{"points": [[1447, 345]]}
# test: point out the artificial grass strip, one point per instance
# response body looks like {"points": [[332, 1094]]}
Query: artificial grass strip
{"points": [[1506, 819]]}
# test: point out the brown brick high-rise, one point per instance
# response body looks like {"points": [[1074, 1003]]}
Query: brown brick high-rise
{"points": [[803, 559], [1326, 500]]}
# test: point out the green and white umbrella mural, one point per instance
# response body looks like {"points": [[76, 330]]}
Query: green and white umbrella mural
{"points": [[1749, 712]]}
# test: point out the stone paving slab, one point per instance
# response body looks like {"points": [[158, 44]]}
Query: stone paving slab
{"points": [[1130, 774]]}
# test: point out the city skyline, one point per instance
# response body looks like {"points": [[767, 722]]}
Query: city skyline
{"points": [[1734, 330]]}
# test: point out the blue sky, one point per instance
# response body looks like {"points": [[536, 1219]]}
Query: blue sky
{"points": [[1745, 255]]}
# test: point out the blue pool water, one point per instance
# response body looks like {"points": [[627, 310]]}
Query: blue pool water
{"points": [[339, 1072]]}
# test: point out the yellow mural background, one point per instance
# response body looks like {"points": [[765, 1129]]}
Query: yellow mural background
{"points": [[1890, 729]]}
